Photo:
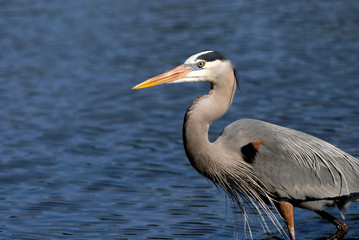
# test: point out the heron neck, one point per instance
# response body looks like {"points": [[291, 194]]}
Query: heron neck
{"points": [[203, 111]]}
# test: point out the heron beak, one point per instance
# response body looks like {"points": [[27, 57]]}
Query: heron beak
{"points": [[170, 76]]}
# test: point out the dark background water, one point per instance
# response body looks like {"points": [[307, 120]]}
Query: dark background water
{"points": [[83, 156]]}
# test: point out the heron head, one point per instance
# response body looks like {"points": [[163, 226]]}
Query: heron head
{"points": [[206, 66]]}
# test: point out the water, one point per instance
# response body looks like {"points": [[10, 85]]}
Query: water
{"points": [[83, 156]]}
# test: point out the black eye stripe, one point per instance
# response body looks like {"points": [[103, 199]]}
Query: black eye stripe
{"points": [[211, 56]]}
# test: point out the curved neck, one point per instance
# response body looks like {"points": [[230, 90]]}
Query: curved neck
{"points": [[203, 111]]}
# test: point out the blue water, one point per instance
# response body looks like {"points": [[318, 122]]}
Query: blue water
{"points": [[83, 156]]}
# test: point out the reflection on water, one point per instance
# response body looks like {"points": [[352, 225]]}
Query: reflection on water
{"points": [[85, 157]]}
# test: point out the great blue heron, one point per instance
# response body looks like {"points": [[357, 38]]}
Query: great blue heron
{"points": [[256, 162]]}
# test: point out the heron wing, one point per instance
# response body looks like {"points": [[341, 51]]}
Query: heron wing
{"points": [[293, 164]]}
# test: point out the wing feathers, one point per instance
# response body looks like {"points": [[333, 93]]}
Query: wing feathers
{"points": [[291, 163]]}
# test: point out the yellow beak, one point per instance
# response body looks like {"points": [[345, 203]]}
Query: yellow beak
{"points": [[170, 76]]}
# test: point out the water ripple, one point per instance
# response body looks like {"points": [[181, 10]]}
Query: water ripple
{"points": [[85, 157]]}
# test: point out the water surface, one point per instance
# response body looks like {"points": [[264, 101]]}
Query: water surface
{"points": [[85, 157]]}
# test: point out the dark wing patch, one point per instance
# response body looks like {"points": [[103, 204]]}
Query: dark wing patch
{"points": [[250, 150], [211, 56]]}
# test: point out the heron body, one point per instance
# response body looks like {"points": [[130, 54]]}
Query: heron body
{"points": [[259, 163]]}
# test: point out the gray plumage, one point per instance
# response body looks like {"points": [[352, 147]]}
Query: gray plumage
{"points": [[295, 165], [258, 163]]}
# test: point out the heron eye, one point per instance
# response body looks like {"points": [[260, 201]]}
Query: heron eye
{"points": [[200, 64]]}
